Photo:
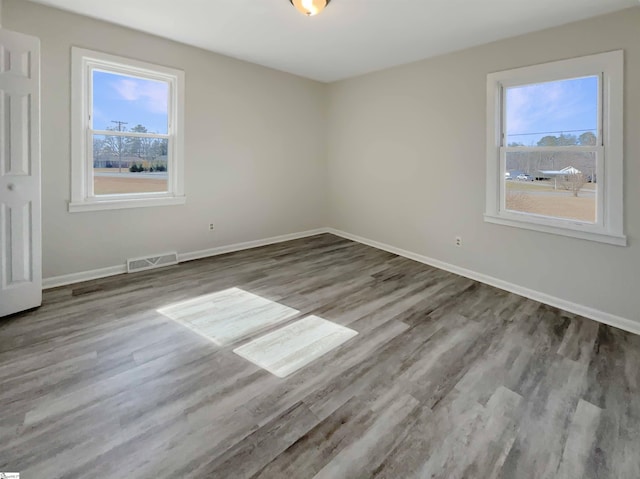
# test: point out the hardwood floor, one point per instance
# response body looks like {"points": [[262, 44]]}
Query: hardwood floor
{"points": [[447, 378]]}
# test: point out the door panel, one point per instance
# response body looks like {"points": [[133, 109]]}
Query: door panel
{"points": [[18, 223], [15, 124], [15, 54], [20, 230]]}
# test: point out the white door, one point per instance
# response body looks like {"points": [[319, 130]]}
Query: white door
{"points": [[20, 230]]}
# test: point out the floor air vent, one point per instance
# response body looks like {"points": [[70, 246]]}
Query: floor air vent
{"points": [[150, 262]]}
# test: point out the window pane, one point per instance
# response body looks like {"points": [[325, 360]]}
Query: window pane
{"points": [[128, 103], [560, 184], [559, 113], [124, 165]]}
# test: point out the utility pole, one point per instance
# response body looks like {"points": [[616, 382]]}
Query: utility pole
{"points": [[119, 123]]}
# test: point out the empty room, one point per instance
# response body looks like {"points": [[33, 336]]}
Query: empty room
{"points": [[320, 239]]}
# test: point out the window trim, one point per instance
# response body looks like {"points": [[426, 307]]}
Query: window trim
{"points": [[83, 62], [610, 225]]}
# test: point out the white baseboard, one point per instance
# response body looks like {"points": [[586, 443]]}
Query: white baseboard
{"points": [[586, 311], [205, 253], [63, 280]]}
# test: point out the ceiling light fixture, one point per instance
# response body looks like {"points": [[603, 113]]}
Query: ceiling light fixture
{"points": [[310, 7]]}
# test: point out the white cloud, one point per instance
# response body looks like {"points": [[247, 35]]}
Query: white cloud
{"points": [[152, 95], [554, 105]]}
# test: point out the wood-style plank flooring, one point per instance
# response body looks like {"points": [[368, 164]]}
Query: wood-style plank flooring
{"points": [[447, 378]]}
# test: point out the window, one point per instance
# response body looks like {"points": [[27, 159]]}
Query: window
{"points": [[554, 148], [127, 147]]}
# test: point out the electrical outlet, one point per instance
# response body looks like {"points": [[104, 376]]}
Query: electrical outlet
{"points": [[211, 226], [458, 241]]}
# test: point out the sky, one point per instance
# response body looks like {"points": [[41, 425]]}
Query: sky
{"points": [[130, 99], [534, 111]]}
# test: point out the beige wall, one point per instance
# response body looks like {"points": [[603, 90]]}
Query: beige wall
{"points": [[407, 166], [254, 149]]}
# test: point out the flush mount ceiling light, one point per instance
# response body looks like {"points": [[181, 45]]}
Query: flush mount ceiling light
{"points": [[310, 7]]}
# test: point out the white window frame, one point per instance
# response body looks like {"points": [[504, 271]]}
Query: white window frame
{"points": [[609, 67], [83, 63]]}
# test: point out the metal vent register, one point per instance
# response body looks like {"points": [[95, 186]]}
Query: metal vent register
{"points": [[151, 262]]}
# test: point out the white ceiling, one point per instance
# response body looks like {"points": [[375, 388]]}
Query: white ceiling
{"points": [[349, 38]]}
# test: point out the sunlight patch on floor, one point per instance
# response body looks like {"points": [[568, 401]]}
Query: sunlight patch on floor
{"points": [[294, 346], [227, 316]]}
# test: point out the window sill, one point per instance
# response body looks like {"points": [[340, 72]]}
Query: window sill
{"points": [[113, 204], [617, 240]]}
